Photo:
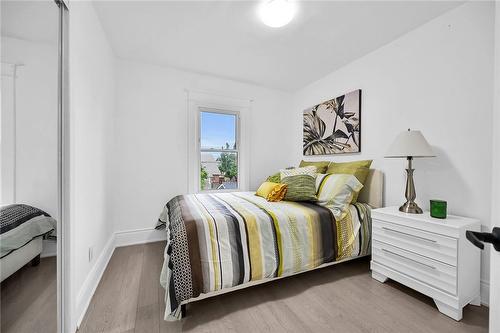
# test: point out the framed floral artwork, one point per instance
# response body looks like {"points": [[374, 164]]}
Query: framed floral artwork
{"points": [[334, 126]]}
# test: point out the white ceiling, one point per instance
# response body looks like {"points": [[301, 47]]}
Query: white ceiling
{"points": [[36, 21], [226, 39]]}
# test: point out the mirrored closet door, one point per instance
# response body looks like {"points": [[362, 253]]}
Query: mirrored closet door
{"points": [[31, 165]]}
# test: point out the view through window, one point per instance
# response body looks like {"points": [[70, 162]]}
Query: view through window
{"points": [[218, 150]]}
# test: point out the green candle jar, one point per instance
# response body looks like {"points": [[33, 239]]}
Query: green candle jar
{"points": [[438, 209]]}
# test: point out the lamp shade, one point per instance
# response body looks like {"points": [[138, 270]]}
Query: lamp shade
{"points": [[410, 143]]}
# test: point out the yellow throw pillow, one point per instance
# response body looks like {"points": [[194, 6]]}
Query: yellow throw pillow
{"points": [[272, 191], [278, 193], [321, 166], [359, 169]]}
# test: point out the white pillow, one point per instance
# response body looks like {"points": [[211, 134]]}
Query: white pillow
{"points": [[308, 170]]}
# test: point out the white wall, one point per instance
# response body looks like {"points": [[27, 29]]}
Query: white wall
{"points": [[36, 109], [150, 151], [437, 79], [92, 104], [495, 256], [36, 127]]}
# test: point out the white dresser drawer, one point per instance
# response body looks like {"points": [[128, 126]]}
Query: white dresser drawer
{"points": [[430, 255], [431, 245], [434, 273]]}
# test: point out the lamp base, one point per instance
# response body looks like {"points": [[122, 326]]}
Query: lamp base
{"points": [[410, 207]]}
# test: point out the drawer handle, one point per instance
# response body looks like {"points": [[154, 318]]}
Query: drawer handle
{"points": [[407, 234], [401, 256]]}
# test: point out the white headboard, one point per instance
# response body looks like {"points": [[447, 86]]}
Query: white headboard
{"points": [[372, 192]]}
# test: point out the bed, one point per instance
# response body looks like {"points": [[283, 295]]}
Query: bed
{"points": [[220, 242], [22, 229]]}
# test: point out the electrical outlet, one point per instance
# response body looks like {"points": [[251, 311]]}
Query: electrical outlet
{"points": [[91, 253]]}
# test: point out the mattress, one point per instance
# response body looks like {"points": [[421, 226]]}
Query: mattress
{"points": [[219, 241], [17, 259]]}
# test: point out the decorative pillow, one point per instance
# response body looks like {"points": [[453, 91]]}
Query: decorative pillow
{"points": [[278, 193], [321, 166], [300, 187], [309, 170], [272, 191], [359, 169], [337, 191], [274, 178]]}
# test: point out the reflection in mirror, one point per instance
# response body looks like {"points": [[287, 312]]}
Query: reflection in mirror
{"points": [[29, 166]]}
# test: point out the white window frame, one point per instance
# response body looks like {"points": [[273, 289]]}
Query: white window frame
{"points": [[237, 150], [206, 101]]}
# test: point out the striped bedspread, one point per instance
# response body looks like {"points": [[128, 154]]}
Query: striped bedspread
{"points": [[222, 240]]}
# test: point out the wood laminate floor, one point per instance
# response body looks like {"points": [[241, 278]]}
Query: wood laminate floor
{"points": [[28, 299], [341, 298]]}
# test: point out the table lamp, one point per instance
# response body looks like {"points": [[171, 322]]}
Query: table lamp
{"points": [[410, 144]]}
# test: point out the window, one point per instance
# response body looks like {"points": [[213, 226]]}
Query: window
{"points": [[219, 149], [217, 137]]}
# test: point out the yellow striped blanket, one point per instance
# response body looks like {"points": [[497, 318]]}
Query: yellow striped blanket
{"points": [[221, 240]]}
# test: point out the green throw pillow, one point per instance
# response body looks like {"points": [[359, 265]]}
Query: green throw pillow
{"points": [[359, 169], [334, 166], [276, 178], [300, 188], [321, 166]]}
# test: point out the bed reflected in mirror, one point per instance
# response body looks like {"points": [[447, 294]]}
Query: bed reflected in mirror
{"points": [[29, 166]]}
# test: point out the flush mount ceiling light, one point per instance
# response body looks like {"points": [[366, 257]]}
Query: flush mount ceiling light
{"points": [[276, 13]]}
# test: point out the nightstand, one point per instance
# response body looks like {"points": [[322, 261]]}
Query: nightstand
{"points": [[429, 255]]}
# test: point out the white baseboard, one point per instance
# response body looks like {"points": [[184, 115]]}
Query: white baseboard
{"points": [[121, 238], [139, 236], [92, 281], [118, 239], [485, 292]]}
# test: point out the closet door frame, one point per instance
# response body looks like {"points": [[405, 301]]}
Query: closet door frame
{"points": [[63, 248]]}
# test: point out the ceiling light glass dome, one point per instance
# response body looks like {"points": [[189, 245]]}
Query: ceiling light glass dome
{"points": [[276, 13]]}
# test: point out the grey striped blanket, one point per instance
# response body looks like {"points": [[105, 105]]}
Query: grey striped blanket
{"points": [[12, 216]]}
